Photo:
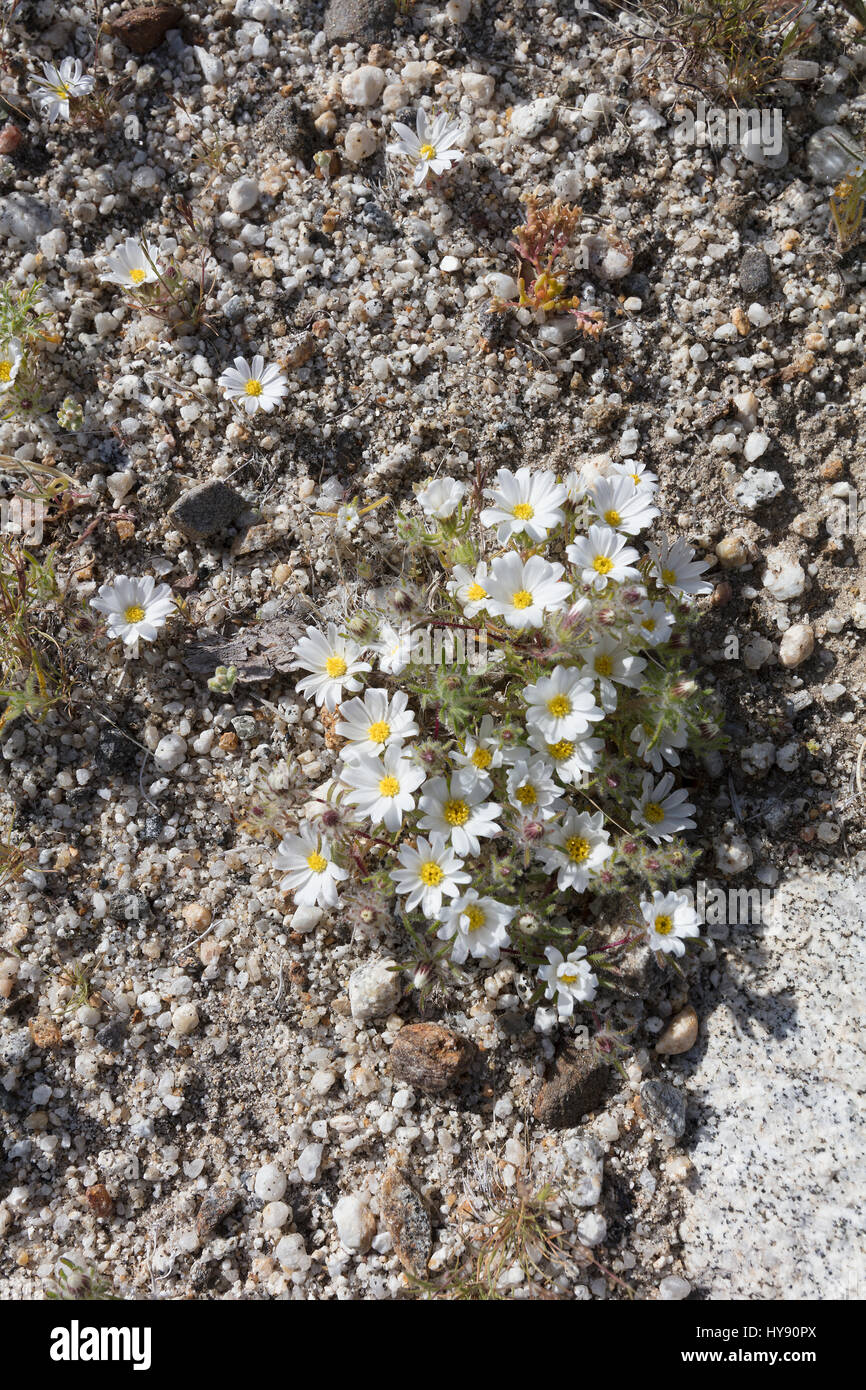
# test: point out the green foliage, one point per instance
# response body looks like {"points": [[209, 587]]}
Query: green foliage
{"points": [[74, 1284]]}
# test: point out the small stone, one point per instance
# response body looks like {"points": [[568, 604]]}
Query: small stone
{"points": [[754, 271], [144, 28], [243, 195], [213, 70], [664, 1107], [673, 1288], [24, 217], [100, 1200], [530, 120], [583, 1170], [797, 644], [478, 86], [363, 87], [270, 1182], [374, 990], [757, 444], [292, 1254], [170, 752], [218, 1202], [356, 1225], [734, 856], [305, 919], [772, 154], [206, 509], [733, 552], [578, 1086], [360, 142], [112, 1035], [431, 1057], [10, 138], [758, 485], [831, 153], [591, 1229], [362, 21], [310, 1161], [784, 578], [275, 1215], [756, 652], [680, 1034], [196, 916], [376, 219], [185, 1019], [44, 1032], [407, 1221]]}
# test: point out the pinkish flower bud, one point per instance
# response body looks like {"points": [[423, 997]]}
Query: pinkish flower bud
{"points": [[423, 975]]}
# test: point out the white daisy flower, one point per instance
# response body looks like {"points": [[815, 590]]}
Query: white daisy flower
{"points": [[524, 503], [622, 506], [469, 589], [640, 475], [572, 759], [675, 568], [442, 497], [430, 147], [575, 484], [522, 592], [58, 85], [532, 789], [135, 608], [394, 649], [430, 872], [662, 812], [653, 624], [129, 265], [456, 807], [670, 918], [11, 356], [561, 705], [658, 749], [603, 556], [570, 980], [375, 722], [576, 850], [333, 662], [255, 386], [610, 662], [381, 788], [311, 874], [481, 754], [481, 926]]}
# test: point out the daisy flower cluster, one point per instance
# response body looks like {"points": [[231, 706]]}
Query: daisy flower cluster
{"points": [[503, 809]]}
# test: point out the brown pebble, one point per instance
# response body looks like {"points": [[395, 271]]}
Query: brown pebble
{"points": [[218, 1202], [196, 916], [10, 138], [578, 1085], [430, 1057], [832, 469], [100, 1200], [407, 1220], [680, 1034], [722, 594], [143, 28], [230, 742], [44, 1032], [125, 529]]}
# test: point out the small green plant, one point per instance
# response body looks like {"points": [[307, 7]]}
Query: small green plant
{"points": [[22, 323], [32, 677], [78, 977], [74, 1284], [13, 859], [847, 205], [542, 242], [174, 295]]}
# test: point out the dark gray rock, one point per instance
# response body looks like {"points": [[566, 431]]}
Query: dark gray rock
{"points": [[377, 220], [15, 1047], [218, 1202], [206, 510], [579, 1084], [288, 127], [665, 1108], [363, 21], [112, 1035], [755, 271]]}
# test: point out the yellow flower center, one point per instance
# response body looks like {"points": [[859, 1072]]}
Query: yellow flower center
{"points": [[389, 786], [602, 564], [427, 152], [649, 624], [482, 758], [521, 599], [475, 593], [578, 848], [568, 980], [456, 812], [5, 371], [136, 275], [475, 918], [526, 796], [612, 517], [663, 924], [669, 576], [636, 478], [431, 874], [253, 387], [379, 732], [524, 511], [317, 862], [653, 812], [335, 667], [559, 706], [134, 613], [561, 751], [603, 665], [62, 92]]}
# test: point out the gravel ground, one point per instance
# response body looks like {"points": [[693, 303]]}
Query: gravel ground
{"points": [[229, 1067]]}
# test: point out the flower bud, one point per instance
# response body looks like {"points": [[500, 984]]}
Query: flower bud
{"points": [[423, 975]]}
